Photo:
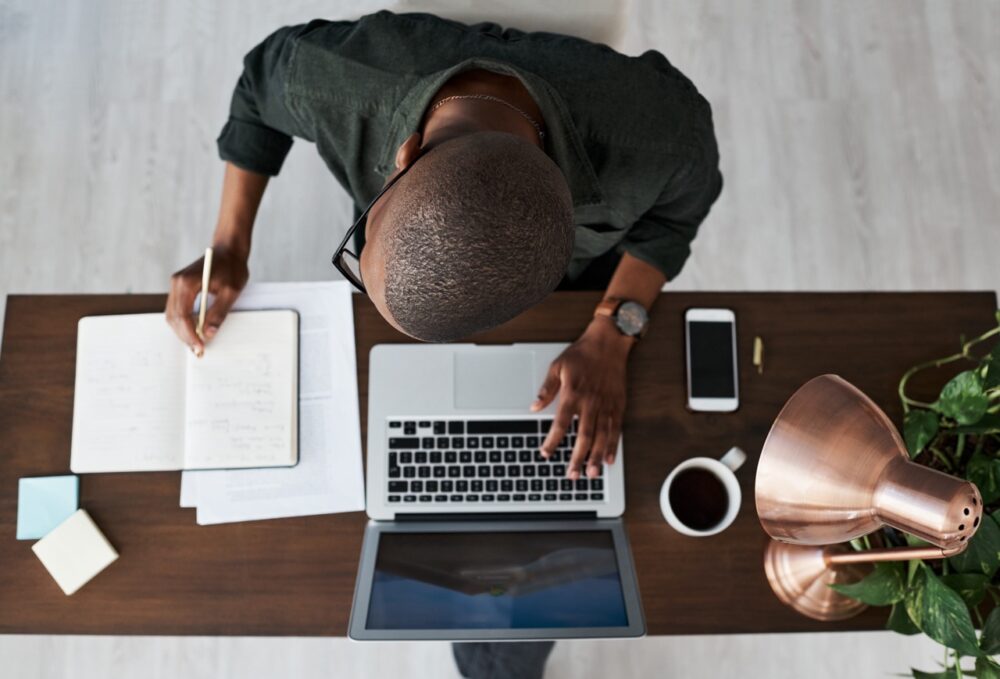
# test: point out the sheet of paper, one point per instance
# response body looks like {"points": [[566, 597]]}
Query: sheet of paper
{"points": [[242, 394], [329, 476], [128, 410]]}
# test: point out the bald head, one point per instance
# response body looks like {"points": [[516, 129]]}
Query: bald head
{"points": [[479, 229]]}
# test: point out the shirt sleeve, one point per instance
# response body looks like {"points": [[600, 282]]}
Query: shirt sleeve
{"points": [[662, 236], [258, 134]]}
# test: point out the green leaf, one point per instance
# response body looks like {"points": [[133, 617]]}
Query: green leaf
{"points": [[987, 424], [881, 587], [987, 669], [970, 586], [940, 613], [991, 368], [983, 553], [984, 471], [989, 641], [919, 429], [963, 398], [899, 621], [949, 673]]}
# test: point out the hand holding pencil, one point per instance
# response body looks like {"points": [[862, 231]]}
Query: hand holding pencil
{"points": [[220, 272]]}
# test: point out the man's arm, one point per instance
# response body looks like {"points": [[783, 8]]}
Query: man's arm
{"points": [[589, 376], [241, 195]]}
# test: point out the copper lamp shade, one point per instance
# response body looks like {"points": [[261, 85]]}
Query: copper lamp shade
{"points": [[834, 468]]}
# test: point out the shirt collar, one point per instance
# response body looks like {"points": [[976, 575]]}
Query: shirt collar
{"points": [[562, 141]]}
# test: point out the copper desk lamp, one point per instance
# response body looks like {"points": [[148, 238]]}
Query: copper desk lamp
{"points": [[834, 468]]}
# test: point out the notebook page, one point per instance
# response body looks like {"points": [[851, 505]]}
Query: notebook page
{"points": [[128, 407], [242, 394]]}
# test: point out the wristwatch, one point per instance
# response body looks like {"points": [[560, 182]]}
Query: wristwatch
{"points": [[631, 318]]}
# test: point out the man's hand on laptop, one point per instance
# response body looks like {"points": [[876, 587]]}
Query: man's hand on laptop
{"points": [[589, 379], [229, 275]]}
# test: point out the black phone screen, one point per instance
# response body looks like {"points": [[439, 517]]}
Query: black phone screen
{"points": [[710, 352]]}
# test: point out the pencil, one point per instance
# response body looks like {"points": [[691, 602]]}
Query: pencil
{"points": [[206, 276]]}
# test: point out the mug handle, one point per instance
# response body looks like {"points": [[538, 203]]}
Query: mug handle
{"points": [[734, 459]]}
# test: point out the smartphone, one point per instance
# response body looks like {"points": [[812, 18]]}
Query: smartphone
{"points": [[712, 375]]}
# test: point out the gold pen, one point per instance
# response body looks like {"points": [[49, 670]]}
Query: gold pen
{"points": [[206, 276]]}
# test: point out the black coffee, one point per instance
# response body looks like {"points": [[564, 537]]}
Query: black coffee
{"points": [[698, 498]]}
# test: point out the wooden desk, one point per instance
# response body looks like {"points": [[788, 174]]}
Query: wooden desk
{"points": [[296, 576]]}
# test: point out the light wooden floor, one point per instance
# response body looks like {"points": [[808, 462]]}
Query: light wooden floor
{"points": [[859, 143]]}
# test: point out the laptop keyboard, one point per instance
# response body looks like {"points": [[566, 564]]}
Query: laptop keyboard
{"points": [[476, 461]]}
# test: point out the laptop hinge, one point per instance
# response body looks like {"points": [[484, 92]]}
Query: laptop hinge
{"points": [[498, 516]]}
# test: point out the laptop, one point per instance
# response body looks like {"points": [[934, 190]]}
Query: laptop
{"points": [[473, 534]]}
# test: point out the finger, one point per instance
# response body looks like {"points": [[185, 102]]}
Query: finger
{"points": [[224, 300], [550, 387], [584, 442], [179, 314], [564, 417], [615, 433], [600, 447]]}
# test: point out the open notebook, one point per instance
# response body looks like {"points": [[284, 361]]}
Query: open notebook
{"points": [[144, 402]]}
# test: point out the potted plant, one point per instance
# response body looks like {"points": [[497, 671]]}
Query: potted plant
{"points": [[948, 599]]}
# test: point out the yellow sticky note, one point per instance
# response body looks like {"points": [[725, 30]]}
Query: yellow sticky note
{"points": [[75, 551]]}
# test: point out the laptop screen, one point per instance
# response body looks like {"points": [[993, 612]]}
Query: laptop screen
{"points": [[496, 580]]}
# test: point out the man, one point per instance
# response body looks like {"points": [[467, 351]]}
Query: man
{"points": [[511, 163]]}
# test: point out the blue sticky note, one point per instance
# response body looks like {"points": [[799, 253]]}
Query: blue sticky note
{"points": [[44, 502]]}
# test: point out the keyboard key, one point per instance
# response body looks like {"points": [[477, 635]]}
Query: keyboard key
{"points": [[424, 472], [580, 496], [552, 484], [596, 484], [443, 441], [597, 496], [462, 486], [534, 497], [518, 497], [423, 424], [506, 486], [510, 456], [398, 486], [504, 427], [476, 486], [440, 498], [517, 442], [457, 442], [537, 457], [472, 498], [581, 484], [393, 459], [456, 498], [447, 486], [558, 470], [472, 441], [524, 456], [465, 457], [409, 498], [483, 471], [498, 471], [533, 441], [528, 470], [395, 424], [425, 498], [436, 457], [492, 485], [496, 456], [451, 457], [566, 484], [488, 442], [503, 441], [545, 471], [521, 485], [416, 486], [513, 470], [393, 498], [405, 458], [537, 485], [454, 471], [545, 426], [480, 456], [439, 428], [563, 497], [468, 471], [428, 442], [404, 442], [456, 427], [431, 486], [409, 428], [420, 457], [488, 498], [503, 497], [409, 472], [395, 472], [549, 497]]}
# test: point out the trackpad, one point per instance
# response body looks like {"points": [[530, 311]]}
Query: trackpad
{"points": [[486, 380]]}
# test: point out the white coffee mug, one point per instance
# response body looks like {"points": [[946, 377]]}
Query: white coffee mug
{"points": [[723, 469]]}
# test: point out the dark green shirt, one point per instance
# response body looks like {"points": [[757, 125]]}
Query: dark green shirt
{"points": [[632, 135]]}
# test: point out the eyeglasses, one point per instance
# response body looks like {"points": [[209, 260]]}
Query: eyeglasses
{"points": [[347, 262]]}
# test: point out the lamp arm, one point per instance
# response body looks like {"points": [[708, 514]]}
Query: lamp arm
{"points": [[891, 554]]}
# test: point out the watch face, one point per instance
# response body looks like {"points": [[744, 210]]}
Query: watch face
{"points": [[631, 318]]}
